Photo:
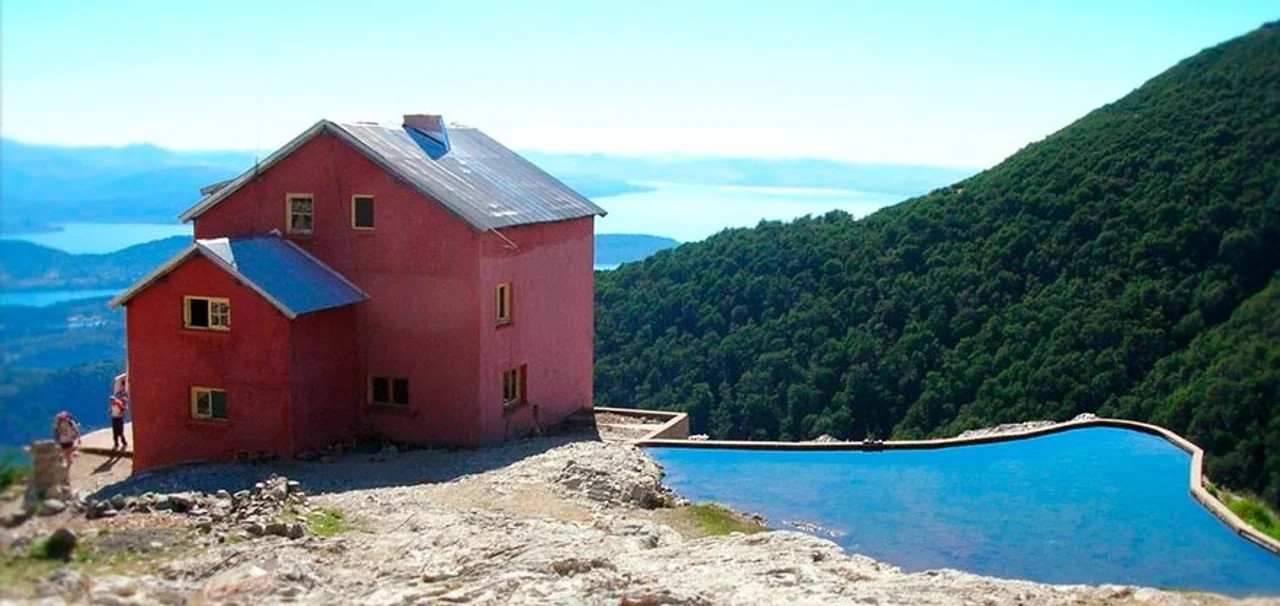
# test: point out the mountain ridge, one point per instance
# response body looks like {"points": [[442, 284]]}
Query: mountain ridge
{"points": [[1044, 287]]}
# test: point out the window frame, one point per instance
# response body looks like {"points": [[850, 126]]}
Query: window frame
{"points": [[517, 377], [196, 390], [502, 303], [372, 212], [391, 391], [209, 302], [288, 214]]}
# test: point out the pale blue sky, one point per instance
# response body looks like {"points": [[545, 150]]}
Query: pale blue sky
{"points": [[951, 83]]}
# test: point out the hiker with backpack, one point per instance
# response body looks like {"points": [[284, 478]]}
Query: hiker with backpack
{"points": [[66, 432], [118, 405]]}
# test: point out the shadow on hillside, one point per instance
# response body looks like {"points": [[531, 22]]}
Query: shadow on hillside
{"points": [[350, 471]]}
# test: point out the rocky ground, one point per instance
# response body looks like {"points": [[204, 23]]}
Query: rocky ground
{"points": [[565, 520], [1020, 427]]}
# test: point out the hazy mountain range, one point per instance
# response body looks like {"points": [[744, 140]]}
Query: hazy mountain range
{"points": [[47, 184], [28, 266]]}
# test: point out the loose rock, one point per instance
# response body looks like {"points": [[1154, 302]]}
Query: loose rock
{"points": [[61, 544]]}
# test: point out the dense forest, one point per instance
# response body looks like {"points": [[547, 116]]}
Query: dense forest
{"points": [[29, 399], [1097, 270], [1222, 392]]}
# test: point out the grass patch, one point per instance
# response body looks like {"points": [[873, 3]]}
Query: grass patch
{"points": [[1251, 509], [116, 553], [39, 550], [715, 519], [13, 472], [26, 568], [327, 522], [320, 522]]}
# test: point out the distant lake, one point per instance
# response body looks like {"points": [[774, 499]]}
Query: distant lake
{"points": [[79, 238], [686, 212], [42, 298], [689, 212]]}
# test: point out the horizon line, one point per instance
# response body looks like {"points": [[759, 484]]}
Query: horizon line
{"points": [[662, 155]]}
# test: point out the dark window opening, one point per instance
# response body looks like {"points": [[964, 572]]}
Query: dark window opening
{"points": [[198, 312], [362, 212], [387, 390]]}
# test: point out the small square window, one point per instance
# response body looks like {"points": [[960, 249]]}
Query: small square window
{"points": [[504, 303], [388, 390], [208, 403], [206, 313], [301, 213], [362, 212]]}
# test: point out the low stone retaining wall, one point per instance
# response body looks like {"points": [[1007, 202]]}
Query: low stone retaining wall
{"points": [[1197, 481], [674, 426]]}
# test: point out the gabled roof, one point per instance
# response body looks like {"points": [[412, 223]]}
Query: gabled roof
{"points": [[476, 178], [282, 272]]}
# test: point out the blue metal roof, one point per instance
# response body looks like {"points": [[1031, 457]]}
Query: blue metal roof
{"points": [[470, 174], [283, 273]]}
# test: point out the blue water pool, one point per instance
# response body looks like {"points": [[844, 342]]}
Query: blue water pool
{"points": [[1093, 506]]}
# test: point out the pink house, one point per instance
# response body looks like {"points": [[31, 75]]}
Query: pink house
{"points": [[420, 282]]}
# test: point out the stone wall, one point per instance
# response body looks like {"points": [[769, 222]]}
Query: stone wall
{"points": [[49, 479]]}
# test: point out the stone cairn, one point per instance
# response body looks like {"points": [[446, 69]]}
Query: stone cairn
{"points": [[255, 513], [49, 489]]}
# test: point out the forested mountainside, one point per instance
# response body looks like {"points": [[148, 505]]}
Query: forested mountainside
{"points": [[1052, 284], [24, 265], [29, 399], [1223, 389]]}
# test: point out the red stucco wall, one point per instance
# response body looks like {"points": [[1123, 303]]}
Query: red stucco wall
{"points": [[419, 266], [326, 394], [251, 362], [551, 329]]}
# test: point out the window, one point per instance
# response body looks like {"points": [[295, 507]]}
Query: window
{"points": [[206, 313], [362, 212], [387, 390], [513, 386], [504, 303], [300, 209], [208, 403]]}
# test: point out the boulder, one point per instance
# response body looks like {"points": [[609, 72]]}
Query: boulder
{"points": [[61, 544], [50, 507], [180, 503]]}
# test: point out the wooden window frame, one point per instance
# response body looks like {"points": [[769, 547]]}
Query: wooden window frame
{"points": [[502, 302], [186, 313], [373, 206], [518, 378], [391, 391], [196, 390], [288, 214]]}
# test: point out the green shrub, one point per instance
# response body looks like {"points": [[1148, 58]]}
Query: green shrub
{"points": [[1256, 513], [12, 471]]}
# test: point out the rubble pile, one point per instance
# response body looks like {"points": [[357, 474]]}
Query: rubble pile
{"points": [[256, 512]]}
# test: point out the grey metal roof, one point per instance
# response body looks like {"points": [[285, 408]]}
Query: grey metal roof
{"points": [[282, 272], [478, 179]]}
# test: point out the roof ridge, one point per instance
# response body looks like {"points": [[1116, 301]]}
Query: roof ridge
{"points": [[480, 181]]}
